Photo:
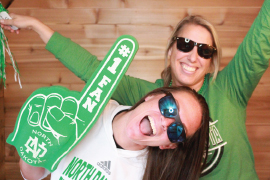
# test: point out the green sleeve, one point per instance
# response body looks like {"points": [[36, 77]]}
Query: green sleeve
{"points": [[83, 64], [241, 76], [73, 56]]}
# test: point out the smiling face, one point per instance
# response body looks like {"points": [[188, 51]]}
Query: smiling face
{"points": [[148, 127], [188, 68]]}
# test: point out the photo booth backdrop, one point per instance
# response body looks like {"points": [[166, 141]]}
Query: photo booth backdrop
{"points": [[95, 25]]}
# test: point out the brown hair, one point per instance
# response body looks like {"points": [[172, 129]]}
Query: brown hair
{"points": [[196, 20], [185, 161]]}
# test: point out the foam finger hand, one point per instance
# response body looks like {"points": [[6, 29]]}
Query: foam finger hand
{"points": [[68, 116], [59, 122]]}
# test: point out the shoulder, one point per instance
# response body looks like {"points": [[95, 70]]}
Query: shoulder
{"points": [[113, 108], [159, 82]]}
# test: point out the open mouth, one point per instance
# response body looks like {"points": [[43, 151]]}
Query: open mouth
{"points": [[188, 68], [147, 126]]}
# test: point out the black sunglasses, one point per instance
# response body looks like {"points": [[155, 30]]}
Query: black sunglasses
{"points": [[168, 108], [186, 45]]}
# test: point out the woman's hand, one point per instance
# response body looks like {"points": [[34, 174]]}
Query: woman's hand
{"points": [[27, 22], [22, 22]]}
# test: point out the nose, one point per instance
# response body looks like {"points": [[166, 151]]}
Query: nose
{"points": [[193, 54], [166, 122]]}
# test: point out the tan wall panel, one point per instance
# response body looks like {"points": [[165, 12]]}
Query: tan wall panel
{"points": [[138, 31], [258, 117], [96, 4], [262, 160], [30, 4], [13, 171], [65, 16], [2, 169], [264, 174], [2, 149], [43, 72], [258, 110], [40, 4], [259, 137], [181, 3], [11, 154], [11, 116], [160, 3], [2, 132], [165, 17], [230, 19], [60, 16]]}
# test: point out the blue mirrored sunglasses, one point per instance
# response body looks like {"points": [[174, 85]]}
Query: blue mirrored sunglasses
{"points": [[168, 108]]}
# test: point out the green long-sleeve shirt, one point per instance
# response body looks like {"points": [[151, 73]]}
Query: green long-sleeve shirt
{"points": [[230, 153]]}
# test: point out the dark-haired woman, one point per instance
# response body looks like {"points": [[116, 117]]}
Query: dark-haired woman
{"points": [[163, 136]]}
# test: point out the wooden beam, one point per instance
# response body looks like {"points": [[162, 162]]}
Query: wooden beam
{"points": [[2, 132]]}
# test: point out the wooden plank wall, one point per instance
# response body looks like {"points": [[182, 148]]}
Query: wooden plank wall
{"points": [[95, 24], [2, 132]]}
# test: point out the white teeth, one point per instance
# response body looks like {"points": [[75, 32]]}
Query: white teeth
{"points": [[188, 68], [152, 125]]}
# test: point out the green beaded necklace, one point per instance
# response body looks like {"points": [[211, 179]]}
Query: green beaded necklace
{"points": [[170, 85]]}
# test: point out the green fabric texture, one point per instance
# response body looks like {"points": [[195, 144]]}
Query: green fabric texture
{"points": [[230, 154]]}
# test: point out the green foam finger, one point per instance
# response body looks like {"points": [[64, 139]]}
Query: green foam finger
{"points": [[54, 119]]}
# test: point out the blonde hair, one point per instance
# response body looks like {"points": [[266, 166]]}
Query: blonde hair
{"points": [[196, 20]]}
